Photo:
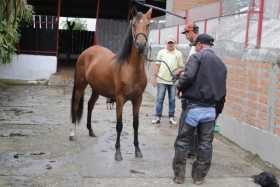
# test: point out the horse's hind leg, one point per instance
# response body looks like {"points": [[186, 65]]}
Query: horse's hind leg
{"points": [[91, 104], [136, 107]]}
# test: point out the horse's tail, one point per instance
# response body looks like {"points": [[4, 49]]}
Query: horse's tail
{"points": [[77, 101]]}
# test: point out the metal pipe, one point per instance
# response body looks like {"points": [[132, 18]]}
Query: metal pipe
{"points": [[37, 52], [278, 14], [260, 23], [205, 26], [46, 21], [186, 17], [250, 12], [158, 36], [221, 11], [227, 15], [177, 34]]}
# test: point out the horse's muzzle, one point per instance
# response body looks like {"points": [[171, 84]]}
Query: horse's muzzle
{"points": [[140, 42], [141, 47]]}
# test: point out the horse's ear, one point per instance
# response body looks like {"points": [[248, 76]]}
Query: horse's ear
{"points": [[149, 13], [131, 13]]}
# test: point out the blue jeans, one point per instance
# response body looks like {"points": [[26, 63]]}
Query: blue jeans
{"points": [[199, 115], [161, 89]]}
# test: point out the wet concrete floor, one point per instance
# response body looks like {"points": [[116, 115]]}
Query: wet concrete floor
{"points": [[35, 150]]}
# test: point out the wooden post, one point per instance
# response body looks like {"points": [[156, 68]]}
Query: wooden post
{"points": [[96, 23]]}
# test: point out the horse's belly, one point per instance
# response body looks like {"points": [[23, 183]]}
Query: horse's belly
{"points": [[103, 88], [134, 91], [100, 77]]}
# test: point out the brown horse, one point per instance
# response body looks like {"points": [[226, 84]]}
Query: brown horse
{"points": [[121, 77]]}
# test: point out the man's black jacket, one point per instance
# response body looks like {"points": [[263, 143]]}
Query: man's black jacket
{"points": [[204, 79]]}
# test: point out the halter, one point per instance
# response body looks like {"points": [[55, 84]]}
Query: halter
{"points": [[138, 34], [135, 36]]}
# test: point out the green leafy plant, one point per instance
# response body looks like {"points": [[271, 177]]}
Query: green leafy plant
{"points": [[12, 13], [78, 24]]}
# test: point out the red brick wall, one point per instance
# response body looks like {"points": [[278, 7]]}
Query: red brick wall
{"points": [[247, 93]]}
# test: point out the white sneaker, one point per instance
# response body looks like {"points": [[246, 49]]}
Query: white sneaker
{"points": [[156, 120], [198, 182], [172, 121]]}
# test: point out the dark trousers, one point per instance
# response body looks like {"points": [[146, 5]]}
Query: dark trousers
{"points": [[183, 146], [193, 152]]}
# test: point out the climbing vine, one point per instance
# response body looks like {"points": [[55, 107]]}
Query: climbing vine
{"points": [[12, 14]]}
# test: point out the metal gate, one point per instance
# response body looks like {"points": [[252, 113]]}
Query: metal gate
{"points": [[110, 33]]}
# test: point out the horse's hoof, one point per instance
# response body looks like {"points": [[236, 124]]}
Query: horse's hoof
{"points": [[91, 134], [118, 157], [138, 154], [72, 138]]}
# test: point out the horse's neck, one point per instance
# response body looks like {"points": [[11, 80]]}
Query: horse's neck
{"points": [[136, 60]]}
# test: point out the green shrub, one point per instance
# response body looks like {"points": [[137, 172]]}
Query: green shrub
{"points": [[12, 13]]}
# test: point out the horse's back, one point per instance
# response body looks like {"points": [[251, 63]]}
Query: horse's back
{"points": [[96, 52], [98, 69], [97, 49]]}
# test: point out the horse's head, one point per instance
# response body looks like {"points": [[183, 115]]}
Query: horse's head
{"points": [[140, 29]]}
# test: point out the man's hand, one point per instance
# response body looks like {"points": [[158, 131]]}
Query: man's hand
{"points": [[179, 93], [179, 71], [154, 81]]}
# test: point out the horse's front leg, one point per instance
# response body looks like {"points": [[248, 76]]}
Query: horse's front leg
{"points": [[136, 107], [119, 108]]}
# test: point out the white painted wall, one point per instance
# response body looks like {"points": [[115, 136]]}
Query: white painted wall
{"points": [[257, 141], [29, 67]]}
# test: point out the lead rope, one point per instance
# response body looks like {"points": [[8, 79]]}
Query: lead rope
{"points": [[174, 78]]}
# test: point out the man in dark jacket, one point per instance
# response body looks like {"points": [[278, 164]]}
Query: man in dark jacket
{"points": [[202, 84], [191, 31]]}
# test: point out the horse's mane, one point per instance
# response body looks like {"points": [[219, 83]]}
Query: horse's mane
{"points": [[125, 50]]}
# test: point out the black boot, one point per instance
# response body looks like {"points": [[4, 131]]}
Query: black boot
{"points": [[179, 167], [202, 164], [182, 147]]}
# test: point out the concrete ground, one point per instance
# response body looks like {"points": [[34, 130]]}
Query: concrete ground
{"points": [[35, 150]]}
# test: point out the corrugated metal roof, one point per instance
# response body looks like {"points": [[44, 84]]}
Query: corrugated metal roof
{"points": [[116, 9]]}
